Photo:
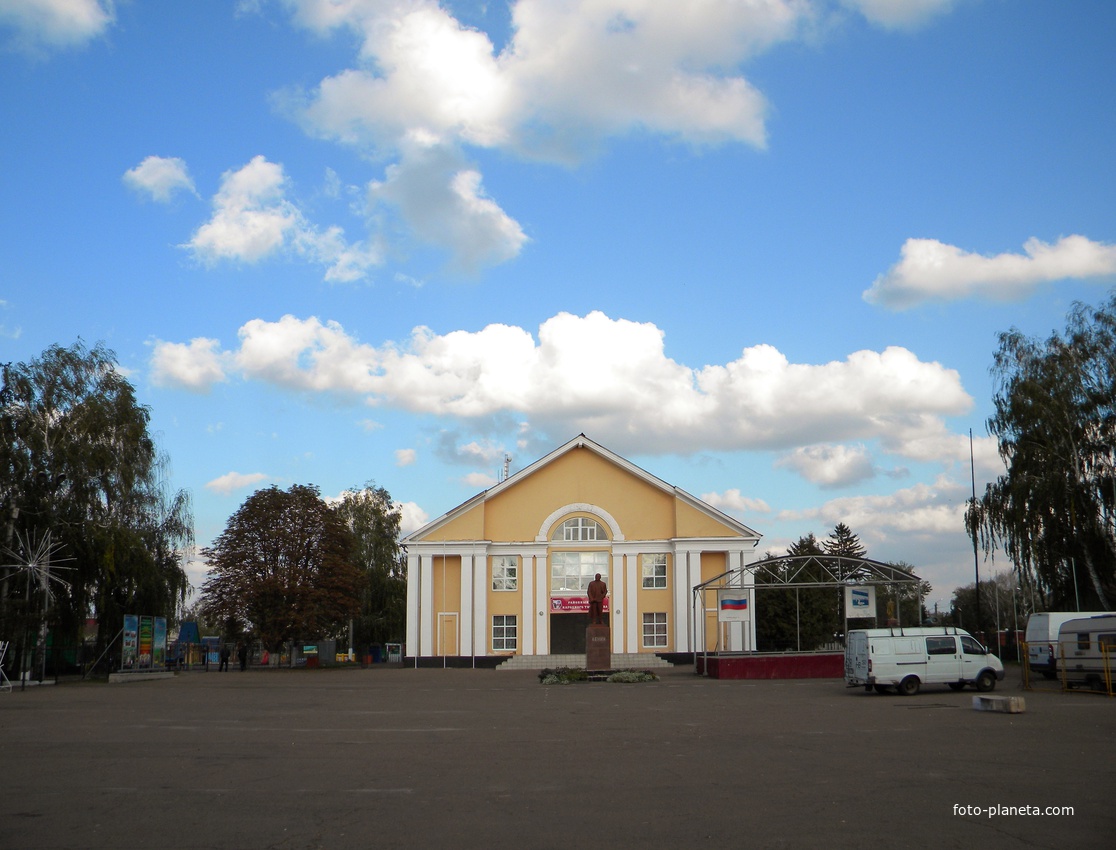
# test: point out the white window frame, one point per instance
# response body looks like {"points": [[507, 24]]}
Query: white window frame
{"points": [[655, 632], [505, 633], [571, 572], [505, 573], [579, 529], [657, 578]]}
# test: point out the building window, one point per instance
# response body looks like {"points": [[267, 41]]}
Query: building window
{"points": [[505, 573], [654, 571], [580, 529], [571, 572], [654, 630], [504, 633]]}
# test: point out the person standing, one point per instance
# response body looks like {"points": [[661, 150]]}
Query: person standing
{"points": [[242, 656], [224, 658]]}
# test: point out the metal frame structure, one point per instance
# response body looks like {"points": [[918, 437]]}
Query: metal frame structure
{"points": [[836, 571]]}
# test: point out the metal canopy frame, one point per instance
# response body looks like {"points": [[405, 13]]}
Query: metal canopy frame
{"points": [[784, 572]]}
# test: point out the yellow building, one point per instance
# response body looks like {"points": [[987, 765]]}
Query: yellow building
{"points": [[506, 572]]}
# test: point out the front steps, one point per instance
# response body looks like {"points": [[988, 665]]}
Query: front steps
{"points": [[620, 661]]}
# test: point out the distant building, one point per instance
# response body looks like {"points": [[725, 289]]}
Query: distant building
{"points": [[505, 573]]}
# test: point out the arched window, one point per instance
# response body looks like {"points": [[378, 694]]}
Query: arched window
{"points": [[579, 529]]}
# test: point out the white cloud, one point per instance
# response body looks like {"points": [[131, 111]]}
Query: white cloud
{"points": [[829, 465], [160, 177], [56, 23], [232, 481], [733, 501], [638, 399], [195, 366], [480, 480], [412, 517], [443, 203], [929, 270], [900, 14], [405, 457], [253, 219]]}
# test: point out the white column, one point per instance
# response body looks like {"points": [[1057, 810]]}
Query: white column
{"points": [[542, 603], [426, 605], [616, 590], [413, 585], [481, 584], [632, 619], [466, 607], [681, 615], [527, 605]]}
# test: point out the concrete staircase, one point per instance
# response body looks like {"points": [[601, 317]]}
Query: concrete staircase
{"points": [[620, 661]]}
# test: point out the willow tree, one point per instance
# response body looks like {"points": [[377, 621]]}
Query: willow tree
{"points": [[78, 464], [1053, 512], [373, 521]]}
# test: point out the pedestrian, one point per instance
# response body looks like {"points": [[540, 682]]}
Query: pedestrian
{"points": [[224, 658], [242, 655]]}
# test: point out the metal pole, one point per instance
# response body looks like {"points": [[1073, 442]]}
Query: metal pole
{"points": [[976, 556]]}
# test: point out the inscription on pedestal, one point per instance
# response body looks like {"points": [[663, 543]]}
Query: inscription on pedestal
{"points": [[598, 655]]}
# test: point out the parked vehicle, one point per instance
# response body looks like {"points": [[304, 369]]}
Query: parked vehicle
{"points": [[1042, 639], [1087, 646], [907, 658]]}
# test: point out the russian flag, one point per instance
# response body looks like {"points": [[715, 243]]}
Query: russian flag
{"points": [[734, 604]]}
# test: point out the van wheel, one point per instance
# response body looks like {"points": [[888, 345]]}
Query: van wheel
{"points": [[986, 681], [909, 686], [956, 686]]}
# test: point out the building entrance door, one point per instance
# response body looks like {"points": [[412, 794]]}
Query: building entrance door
{"points": [[567, 633]]}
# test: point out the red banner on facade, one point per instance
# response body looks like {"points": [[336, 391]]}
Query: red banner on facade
{"points": [[572, 604]]}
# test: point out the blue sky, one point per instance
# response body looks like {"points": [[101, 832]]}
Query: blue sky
{"points": [[762, 249]]}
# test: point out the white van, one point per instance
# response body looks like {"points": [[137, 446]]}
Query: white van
{"points": [[1084, 645], [907, 658], [1042, 638]]}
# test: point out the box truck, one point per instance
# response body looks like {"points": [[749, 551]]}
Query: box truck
{"points": [[907, 658]]}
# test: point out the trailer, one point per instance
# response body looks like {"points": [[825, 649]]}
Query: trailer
{"points": [[1086, 650]]}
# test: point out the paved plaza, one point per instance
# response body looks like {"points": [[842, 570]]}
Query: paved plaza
{"points": [[401, 758]]}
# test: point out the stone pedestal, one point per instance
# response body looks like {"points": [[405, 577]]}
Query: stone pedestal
{"points": [[598, 655]]}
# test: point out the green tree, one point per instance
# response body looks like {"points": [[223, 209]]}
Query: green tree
{"points": [[1054, 510], [906, 599], [843, 542], [789, 617], [78, 464], [373, 521], [282, 569]]}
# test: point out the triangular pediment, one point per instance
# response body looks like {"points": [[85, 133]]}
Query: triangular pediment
{"points": [[581, 473]]}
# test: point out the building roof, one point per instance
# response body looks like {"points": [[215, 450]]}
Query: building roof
{"points": [[582, 442]]}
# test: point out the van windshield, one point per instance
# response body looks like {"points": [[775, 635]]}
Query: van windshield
{"points": [[971, 647]]}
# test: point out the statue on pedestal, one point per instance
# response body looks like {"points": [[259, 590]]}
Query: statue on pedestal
{"points": [[597, 592]]}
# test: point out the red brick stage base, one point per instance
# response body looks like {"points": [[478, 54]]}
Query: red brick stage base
{"points": [[756, 665]]}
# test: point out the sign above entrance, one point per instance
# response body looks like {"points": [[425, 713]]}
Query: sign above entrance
{"points": [[572, 604]]}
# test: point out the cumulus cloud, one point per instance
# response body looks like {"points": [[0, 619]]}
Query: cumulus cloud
{"points": [[637, 399], [195, 366], [232, 481], [442, 201], [733, 501], [405, 457], [160, 177], [253, 219], [40, 24], [900, 14], [412, 517], [830, 466], [929, 270]]}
